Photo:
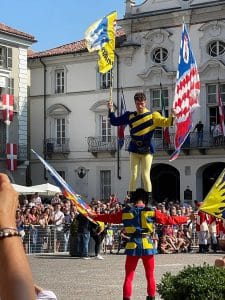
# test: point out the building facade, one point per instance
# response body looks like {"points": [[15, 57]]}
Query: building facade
{"points": [[68, 102], [14, 80]]}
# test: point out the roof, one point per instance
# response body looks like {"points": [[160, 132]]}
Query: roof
{"points": [[74, 47], [14, 32]]}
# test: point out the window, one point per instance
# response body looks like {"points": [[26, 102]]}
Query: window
{"points": [[105, 129], [159, 55], [105, 80], [212, 100], [216, 48], [5, 57], [159, 99], [60, 131], [105, 182], [11, 86], [62, 174], [59, 81]]}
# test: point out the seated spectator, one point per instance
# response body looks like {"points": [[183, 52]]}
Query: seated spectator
{"points": [[165, 246]]}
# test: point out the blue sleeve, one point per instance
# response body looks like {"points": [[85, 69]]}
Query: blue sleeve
{"points": [[121, 120]]}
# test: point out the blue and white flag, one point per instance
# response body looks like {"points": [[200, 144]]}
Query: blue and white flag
{"points": [[100, 37], [187, 92]]}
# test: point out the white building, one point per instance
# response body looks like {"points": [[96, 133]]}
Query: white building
{"points": [[68, 97], [14, 80]]}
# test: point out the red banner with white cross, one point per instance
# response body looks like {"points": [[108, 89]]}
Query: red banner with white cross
{"points": [[11, 153], [7, 108]]}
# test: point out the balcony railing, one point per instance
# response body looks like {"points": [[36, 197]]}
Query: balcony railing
{"points": [[100, 144], [56, 146]]}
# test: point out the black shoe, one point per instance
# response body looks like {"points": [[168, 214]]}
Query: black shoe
{"points": [[150, 298]]}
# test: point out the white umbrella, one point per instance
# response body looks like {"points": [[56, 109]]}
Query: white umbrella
{"points": [[47, 189], [21, 189]]}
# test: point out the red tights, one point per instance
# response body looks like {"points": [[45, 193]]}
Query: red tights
{"points": [[130, 267]]}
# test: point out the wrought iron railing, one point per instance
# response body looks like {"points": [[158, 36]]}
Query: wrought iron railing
{"points": [[56, 146], [101, 144], [98, 144]]}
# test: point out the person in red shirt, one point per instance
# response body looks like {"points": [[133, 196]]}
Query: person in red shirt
{"points": [[138, 221]]}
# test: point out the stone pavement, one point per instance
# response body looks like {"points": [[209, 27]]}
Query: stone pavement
{"points": [[77, 279]]}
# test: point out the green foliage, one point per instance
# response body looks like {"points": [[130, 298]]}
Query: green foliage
{"points": [[194, 283]]}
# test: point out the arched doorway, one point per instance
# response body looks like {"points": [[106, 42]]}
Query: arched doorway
{"points": [[210, 175], [165, 183]]}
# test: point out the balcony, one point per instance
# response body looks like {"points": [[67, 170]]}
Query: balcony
{"points": [[56, 146], [190, 145], [102, 144]]}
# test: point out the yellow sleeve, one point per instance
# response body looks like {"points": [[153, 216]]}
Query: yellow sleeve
{"points": [[160, 121]]}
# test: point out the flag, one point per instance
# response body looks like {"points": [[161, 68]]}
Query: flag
{"points": [[166, 134], [121, 128], [100, 37], [221, 112], [214, 202], [11, 154], [65, 188], [7, 108], [187, 92]]}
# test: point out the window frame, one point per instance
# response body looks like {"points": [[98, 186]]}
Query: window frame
{"points": [[218, 44], [163, 55], [105, 187], [6, 57], [59, 81], [105, 80]]}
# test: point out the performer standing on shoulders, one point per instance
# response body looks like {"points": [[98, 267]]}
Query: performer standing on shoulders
{"points": [[142, 124], [138, 221]]}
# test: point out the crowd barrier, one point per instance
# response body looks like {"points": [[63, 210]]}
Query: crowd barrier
{"points": [[53, 239]]}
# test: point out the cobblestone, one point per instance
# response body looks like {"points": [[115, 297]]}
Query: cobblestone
{"points": [[76, 279]]}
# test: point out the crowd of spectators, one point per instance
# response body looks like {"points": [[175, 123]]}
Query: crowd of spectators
{"points": [[45, 225]]}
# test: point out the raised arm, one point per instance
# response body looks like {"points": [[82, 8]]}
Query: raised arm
{"points": [[109, 218], [15, 274], [164, 219]]}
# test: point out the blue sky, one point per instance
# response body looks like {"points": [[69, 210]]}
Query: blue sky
{"points": [[55, 22]]}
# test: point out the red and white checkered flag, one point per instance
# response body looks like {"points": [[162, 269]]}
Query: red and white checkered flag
{"points": [[7, 108], [11, 152]]}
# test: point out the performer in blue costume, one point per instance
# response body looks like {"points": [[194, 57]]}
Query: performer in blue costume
{"points": [[142, 125], [138, 221]]}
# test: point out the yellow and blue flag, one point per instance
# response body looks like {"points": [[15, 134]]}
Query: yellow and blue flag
{"points": [[66, 189], [100, 37], [214, 202]]}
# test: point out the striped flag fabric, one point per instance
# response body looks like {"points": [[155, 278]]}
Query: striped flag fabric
{"points": [[11, 155], [100, 36], [121, 128], [187, 91], [7, 108], [221, 112], [66, 189]]}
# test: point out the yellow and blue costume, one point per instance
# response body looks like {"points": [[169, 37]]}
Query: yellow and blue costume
{"points": [[142, 127], [139, 225]]}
